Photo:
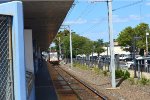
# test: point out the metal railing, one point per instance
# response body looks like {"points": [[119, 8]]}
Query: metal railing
{"points": [[6, 66], [104, 64], [140, 67]]}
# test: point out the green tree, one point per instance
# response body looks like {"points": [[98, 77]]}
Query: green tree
{"points": [[98, 46], [80, 44], [140, 31], [126, 36]]}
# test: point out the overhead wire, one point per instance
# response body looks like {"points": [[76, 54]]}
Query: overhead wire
{"points": [[84, 12], [95, 25], [81, 14], [103, 19], [125, 6], [70, 11], [87, 10]]}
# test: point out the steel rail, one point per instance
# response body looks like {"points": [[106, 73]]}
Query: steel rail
{"points": [[87, 86]]}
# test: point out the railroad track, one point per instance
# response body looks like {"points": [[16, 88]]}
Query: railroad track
{"points": [[69, 87]]}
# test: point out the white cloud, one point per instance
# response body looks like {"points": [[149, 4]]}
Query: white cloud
{"points": [[147, 3], [134, 17], [78, 21], [95, 35], [98, 20], [147, 16], [118, 19]]}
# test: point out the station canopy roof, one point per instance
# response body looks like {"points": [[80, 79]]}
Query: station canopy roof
{"points": [[44, 17]]}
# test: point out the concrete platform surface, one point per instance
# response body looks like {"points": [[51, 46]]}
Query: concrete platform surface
{"points": [[44, 89]]}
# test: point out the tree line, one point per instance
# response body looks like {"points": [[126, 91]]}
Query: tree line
{"points": [[80, 44]]}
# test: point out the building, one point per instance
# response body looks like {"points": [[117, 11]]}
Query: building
{"points": [[27, 27], [117, 49]]}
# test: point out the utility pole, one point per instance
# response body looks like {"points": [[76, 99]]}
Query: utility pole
{"points": [[134, 60], [70, 42], [92, 55], [110, 26], [70, 46], [147, 43], [147, 34], [59, 48], [107, 50], [112, 64], [134, 53]]}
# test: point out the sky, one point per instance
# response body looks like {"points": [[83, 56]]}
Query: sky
{"points": [[89, 19]]}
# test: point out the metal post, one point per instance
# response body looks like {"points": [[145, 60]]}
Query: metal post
{"points": [[107, 50], [70, 46], [10, 58], [59, 49], [147, 43], [111, 44], [92, 55], [138, 69], [134, 44], [146, 51]]}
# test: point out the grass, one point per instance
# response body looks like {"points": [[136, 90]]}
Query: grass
{"points": [[119, 74], [132, 81], [142, 81], [94, 69], [83, 67], [105, 72]]}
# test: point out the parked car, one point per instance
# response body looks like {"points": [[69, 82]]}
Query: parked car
{"points": [[129, 64], [125, 57]]}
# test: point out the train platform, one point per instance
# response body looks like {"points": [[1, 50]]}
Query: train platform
{"points": [[44, 89]]}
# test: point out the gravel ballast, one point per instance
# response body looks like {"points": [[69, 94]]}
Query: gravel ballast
{"points": [[126, 91]]}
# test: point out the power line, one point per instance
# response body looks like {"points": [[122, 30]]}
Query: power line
{"points": [[70, 11], [88, 11], [82, 13], [95, 25], [125, 6], [103, 19]]}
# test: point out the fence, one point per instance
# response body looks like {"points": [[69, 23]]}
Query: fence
{"points": [[140, 66], [104, 64], [91, 63], [6, 74]]}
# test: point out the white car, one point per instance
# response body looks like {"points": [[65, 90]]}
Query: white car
{"points": [[125, 57], [129, 64]]}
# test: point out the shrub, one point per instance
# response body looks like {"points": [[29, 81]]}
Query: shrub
{"points": [[76, 65], [144, 81], [105, 73], [122, 74], [132, 81], [126, 75], [84, 67], [119, 73], [96, 70]]}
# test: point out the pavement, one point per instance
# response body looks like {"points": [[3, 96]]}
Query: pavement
{"points": [[44, 89]]}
